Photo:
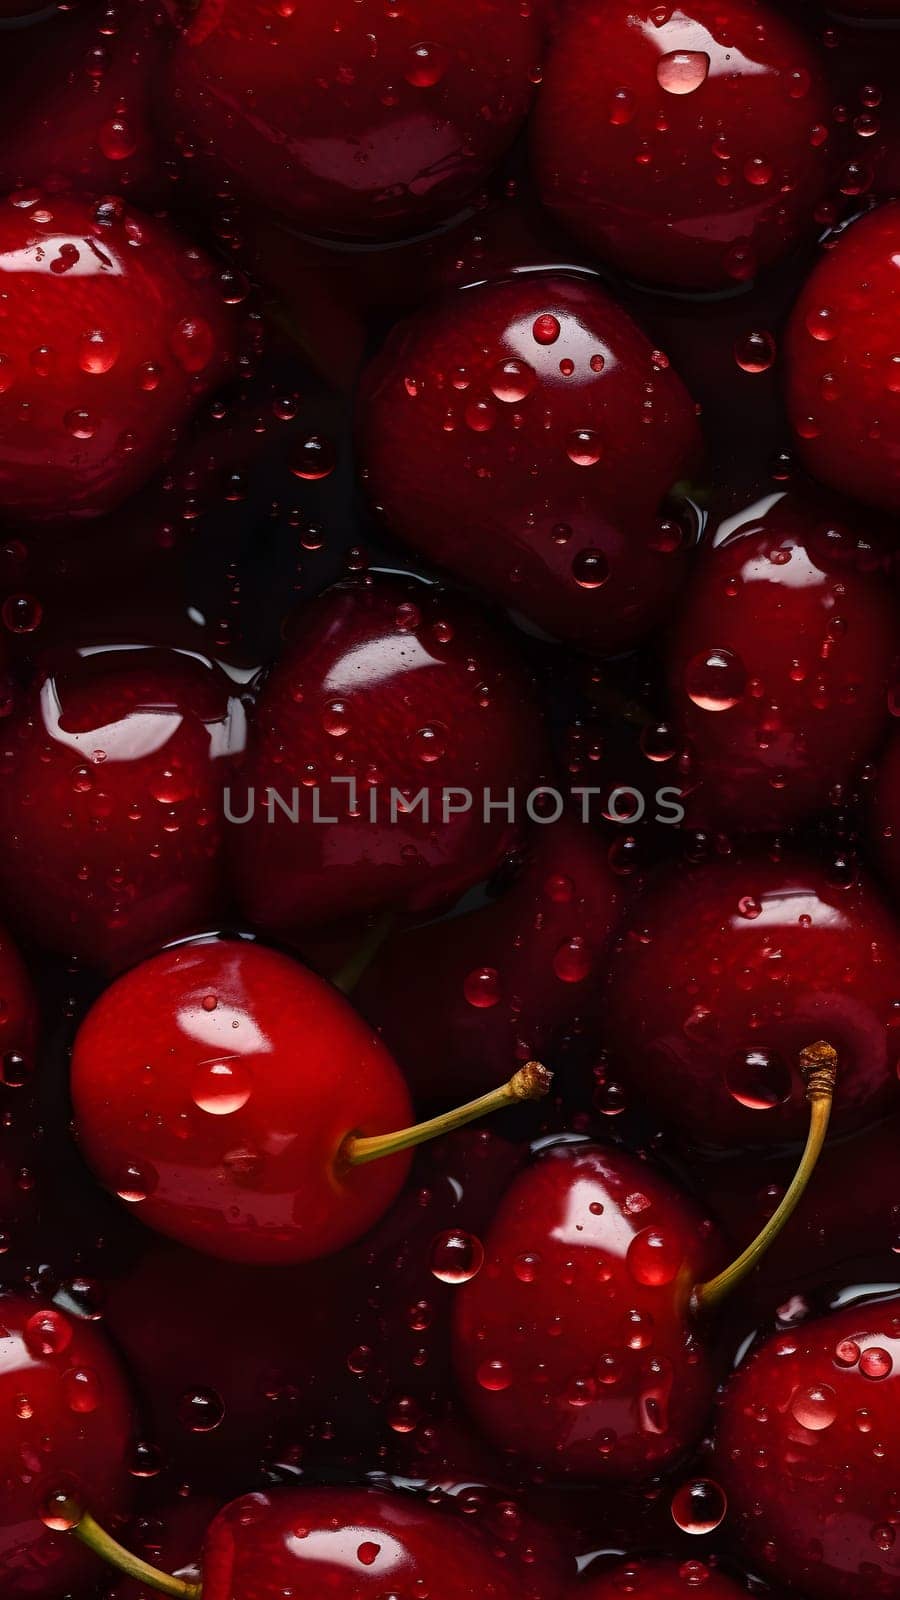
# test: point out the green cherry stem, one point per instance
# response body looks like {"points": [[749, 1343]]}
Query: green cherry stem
{"points": [[347, 977], [531, 1082], [115, 1555]]}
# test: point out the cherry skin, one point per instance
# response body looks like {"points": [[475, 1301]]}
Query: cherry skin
{"points": [[572, 1346], [67, 1427], [354, 1544], [779, 668], [726, 971], [803, 1453], [524, 435], [111, 781], [214, 1086], [688, 149], [663, 1579], [114, 330], [841, 367], [385, 687], [352, 122], [463, 1002]]}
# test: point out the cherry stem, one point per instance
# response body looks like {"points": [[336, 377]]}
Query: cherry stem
{"points": [[531, 1082], [818, 1066], [347, 977], [115, 1555]]}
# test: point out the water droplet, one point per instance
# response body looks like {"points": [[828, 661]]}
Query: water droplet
{"points": [[653, 1258], [200, 1410], [193, 344], [47, 1333], [494, 1375], [875, 1363], [481, 988], [83, 1390], [455, 1256], [572, 960], [314, 459], [759, 1079], [98, 352], [546, 329], [430, 744], [60, 1512], [336, 719], [815, 1408], [682, 71], [699, 1506], [590, 569], [755, 351], [716, 680], [221, 1087], [427, 65], [584, 449]]}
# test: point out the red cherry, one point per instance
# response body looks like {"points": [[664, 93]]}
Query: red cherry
{"points": [[688, 146], [842, 368], [462, 1003], [352, 1544], [111, 781], [66, 1429], [222, 1115], [356, 121], [803, 1450], [779, 669], [572, 1345], [386, 688], [669, 1579], [78, 112], [113, 331], [525, 435], [726, 970]]}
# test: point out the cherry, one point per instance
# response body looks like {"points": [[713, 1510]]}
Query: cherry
{"points": [[387, 691], [354, 121], [524, 435], [78, 113], [113, 331], [66, 1429], [572, 1345], [236, 1115], [687, 147], [841, 366], [782, 657], [662, 1579], [722, 972], [461, 1003], [803, 1452], [111, 778]]}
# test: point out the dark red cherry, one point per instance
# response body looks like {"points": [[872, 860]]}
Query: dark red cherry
{"points": [[804, 1452], [66, 1430], [572, 1345], [463, 1002], [215, 1087], [782, 658], [353, 120], [525, 435], [353, 1544], [111, 780], [113, 331], [841, 365], [671, 1578], [726, 971], [686, 146], [392, 719], [77, 112]]}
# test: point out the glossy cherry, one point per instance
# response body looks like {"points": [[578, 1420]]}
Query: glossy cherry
{"points": [[841, 366], [66, 1428], [803, 1452], [525, 436], [111, 785], [386, 688], [686, 146], [662, 1579], [722, 974], [463, 1002], [572, 1345], [78, 113], [351, 120], [780, 665], [114, 329]]}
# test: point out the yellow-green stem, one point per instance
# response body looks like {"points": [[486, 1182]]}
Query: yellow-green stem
{"points": [[347, 977], [531, 1082], [115, 1555], [818, 1065]]}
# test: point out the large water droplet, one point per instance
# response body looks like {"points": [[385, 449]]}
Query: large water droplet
{"points": [[221, 1087], [682, 71], [699, 1506], [715, 680], [455, 1256], [814, 1408], [759, 1079]]}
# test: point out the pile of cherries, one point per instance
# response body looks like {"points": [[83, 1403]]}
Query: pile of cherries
{"points": [[449, 799]]}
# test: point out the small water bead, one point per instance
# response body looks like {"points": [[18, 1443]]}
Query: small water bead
{"points": [[80, 424], [682, 71], [368, 1553], [699, 1506], [221, 1087], [455, 1256], [200, 1410], [481, 988], [590, 569], [429, 744], [821, 323], [60, 1512], [83, 1391], [572, 960], [527, 1266], [146, 1460], [495, 1375], [846, 1353], [427, 64], [876, 1363], [313, 459], [759, 1079], [404, 1414], [584, 449], [754, 351], [98, 351], [336, 719], [14, 1070], [135, 1184], [884, 1537], [716, 680], [480, 416], [512, 381], [622, 107], [815, 1408], [546, 329], [47, 1333], [653, 1259]]}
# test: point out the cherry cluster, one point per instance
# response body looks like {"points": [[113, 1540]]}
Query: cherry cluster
{"points": [[449, 799]]}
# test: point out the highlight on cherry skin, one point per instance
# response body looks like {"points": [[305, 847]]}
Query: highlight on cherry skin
{"points": [[238, 1104]]}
